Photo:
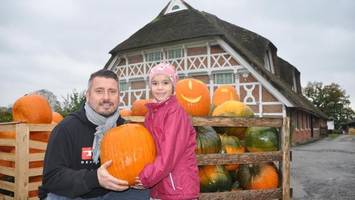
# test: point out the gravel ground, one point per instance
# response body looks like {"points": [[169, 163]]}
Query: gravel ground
{"points": [[324, 169]]}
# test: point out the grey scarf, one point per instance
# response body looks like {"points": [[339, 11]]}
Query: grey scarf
{"points": [[103, 124]]}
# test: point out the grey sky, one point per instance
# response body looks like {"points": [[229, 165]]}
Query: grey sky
{"points": [[56, 44]]}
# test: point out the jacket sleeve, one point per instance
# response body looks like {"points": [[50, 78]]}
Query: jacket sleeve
{"points": [[172, 141], [58, 176]]}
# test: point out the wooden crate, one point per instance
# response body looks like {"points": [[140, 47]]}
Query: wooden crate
{"points": [[282, 156], [17, 184]]}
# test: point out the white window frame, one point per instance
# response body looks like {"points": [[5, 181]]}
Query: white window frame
{"points": [[153, 56], [123, 86], [173, 53], [219, 75], [172, 6]]}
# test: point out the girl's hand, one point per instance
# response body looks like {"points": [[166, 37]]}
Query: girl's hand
{"points": [[138, 184]]}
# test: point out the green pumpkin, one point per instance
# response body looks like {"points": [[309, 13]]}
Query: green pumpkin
{"points": [[214, 178], [231, 145], [259, 139], [207, 140]]}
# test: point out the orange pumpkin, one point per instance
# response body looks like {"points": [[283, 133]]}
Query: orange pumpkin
{"points": [[56, 117], [125, 112], [138, 107], [194, 96], [258, 176], [224, 93], [130, 147], [32, 109]]}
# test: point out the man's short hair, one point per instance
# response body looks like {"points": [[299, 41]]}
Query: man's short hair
{"points": [[103, 73]]}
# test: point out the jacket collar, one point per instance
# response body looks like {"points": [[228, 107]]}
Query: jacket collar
{"points": [[154, 106]]}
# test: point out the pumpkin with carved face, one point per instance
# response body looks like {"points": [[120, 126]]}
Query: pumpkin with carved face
{"points": [[193, 95]]}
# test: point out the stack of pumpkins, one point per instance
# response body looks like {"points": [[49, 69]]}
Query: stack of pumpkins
{"points": [[194, 97], [33, 109]]}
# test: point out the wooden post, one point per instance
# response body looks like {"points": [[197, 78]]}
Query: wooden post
{"points": [[285, 145], [22, 161]]}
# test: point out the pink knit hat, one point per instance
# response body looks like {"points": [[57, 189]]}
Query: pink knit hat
{"points": [[165, 69]]}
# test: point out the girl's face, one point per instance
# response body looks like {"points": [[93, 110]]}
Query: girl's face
{"points": [[162, 87]]}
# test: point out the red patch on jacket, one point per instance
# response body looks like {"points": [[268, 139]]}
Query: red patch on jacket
{"points": [[86, 153]]}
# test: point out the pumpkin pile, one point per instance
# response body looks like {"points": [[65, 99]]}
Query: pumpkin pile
{"points": [[34, 109]]}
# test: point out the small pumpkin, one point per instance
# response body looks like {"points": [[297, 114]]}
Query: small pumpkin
{"points": [[32, 109], [259, 139], [194, 96], [138, 107], [231, 145], [130, 147], [207, 140], [224, 93], [56, 117], [233, 109], [258, 176], [125, 112], [214, 178]]}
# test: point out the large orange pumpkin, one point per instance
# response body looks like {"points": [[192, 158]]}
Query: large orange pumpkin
{"points": [[258, 176], [194, 96], [138, 107], [56, 117], [32, 109], [224, 93], [130, 147]]}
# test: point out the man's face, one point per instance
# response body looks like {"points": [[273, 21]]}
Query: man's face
{"points": [[103, 95]]}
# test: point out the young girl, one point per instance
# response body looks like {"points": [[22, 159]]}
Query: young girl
{"points": [[174, 173]]}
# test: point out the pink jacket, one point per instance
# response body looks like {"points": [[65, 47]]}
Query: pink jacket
{"points": [[174, 172]]}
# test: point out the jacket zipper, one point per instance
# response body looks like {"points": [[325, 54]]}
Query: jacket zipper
{"points": [[172, 181]]}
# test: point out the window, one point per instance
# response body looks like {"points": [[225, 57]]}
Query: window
{"points": [[153, 56], [175, 53], [176, 7], [123, 86], [224, 78], [268, 64], [294, 85]]}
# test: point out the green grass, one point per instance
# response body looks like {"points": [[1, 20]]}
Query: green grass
{"points": [[333, 135]]}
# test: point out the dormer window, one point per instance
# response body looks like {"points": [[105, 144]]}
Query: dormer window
{"points": [[268, 64], [294, 85], [174, 6]]}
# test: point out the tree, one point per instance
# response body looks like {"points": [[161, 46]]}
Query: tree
{"points": [[5, 114], [51, 98], [330, 99], [72, 102]]}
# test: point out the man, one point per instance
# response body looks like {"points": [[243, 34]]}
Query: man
{"points": [[71, 166]]}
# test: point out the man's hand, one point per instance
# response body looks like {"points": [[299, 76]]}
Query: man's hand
{"points": [[109, 182]]}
